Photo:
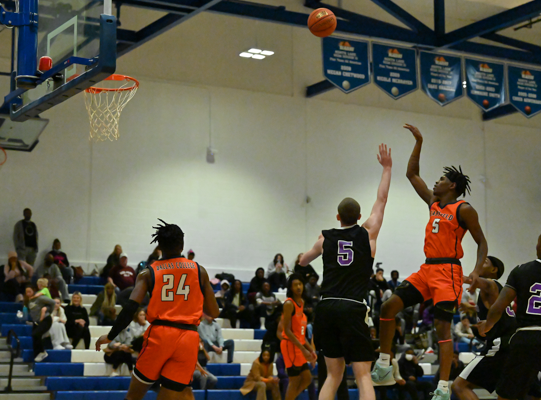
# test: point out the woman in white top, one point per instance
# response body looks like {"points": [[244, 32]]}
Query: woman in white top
{"points": [[137, 329], [59, 337]]}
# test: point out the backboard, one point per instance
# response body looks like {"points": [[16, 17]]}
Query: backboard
{"points": [[79, 36]]}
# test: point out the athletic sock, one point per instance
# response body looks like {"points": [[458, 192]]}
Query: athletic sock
{"points": [[384, 360], [443, 385]]}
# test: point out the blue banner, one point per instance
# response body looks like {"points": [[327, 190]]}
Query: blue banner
{"points": [[395, 69], [524, 89], [345, 63], [485, 83], [441, 77]]}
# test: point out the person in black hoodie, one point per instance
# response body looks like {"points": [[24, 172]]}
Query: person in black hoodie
{"points": [[411, 371], [236, 306], [257, 282], [77, 324]]}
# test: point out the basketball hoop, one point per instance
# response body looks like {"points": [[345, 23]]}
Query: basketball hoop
{"points": [[104, 105]]}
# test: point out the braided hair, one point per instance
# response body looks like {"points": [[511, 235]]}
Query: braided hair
{"points": [[168, 236], [457, 176]]}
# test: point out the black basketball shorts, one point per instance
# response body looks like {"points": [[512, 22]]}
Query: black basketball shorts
{"points": [[522, 365], [340, 330], [485, 371]]}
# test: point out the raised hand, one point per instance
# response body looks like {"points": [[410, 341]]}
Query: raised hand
{"points": [[384, 156], [416, 133]]}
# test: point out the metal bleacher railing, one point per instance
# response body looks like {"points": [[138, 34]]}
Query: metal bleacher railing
{"points": [[14, 353]]}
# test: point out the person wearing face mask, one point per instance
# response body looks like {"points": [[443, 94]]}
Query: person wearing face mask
{"points": [[411, 371]]}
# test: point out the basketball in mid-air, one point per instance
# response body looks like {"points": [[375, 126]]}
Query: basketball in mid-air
{"points": [[486, 103], [527, 110], [322, 22]]}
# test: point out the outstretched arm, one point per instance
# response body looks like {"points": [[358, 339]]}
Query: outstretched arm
{"points": [[374, 222], [413, 167], [313, 253], [470, 219], [495, 312], [487, 286]]}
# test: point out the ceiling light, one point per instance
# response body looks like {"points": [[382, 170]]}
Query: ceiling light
{"points": [[267, 52], [246, 55], [258, 56], [254, 50]]}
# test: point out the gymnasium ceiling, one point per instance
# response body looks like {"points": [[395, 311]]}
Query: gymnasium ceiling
{"points": [[204, 50]]}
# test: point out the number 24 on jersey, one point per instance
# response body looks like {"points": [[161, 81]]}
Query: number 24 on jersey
{"points": [[169, 283]]}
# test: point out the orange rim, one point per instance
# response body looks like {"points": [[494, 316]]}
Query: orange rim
{"points": [[115, 77], [5, 156]]}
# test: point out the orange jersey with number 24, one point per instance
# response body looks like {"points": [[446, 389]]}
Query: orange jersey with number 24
{"points": [[177, 295]]}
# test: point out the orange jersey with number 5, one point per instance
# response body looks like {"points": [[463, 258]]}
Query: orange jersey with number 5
{"points": [[298, 323], [443, 238], [176, 295]]}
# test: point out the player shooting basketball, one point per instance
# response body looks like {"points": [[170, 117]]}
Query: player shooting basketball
{"points": [[179, 289], [440, 278]]}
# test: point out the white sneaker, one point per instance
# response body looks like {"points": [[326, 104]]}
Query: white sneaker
{"points": [[67, 346], [41, 356], [58, 347], [115, 373]]}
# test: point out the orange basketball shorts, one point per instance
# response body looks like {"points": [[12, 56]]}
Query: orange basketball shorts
{"points": [[439, 282], [293, 356], [170, 354]]}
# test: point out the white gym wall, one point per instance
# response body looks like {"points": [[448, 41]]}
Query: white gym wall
{"points": [[274, 148]]}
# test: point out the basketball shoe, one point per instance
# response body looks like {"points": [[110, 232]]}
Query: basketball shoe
{"points": [[383, 376]]}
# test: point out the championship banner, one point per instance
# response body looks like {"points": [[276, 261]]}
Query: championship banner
{"points": [[345, 63], [524, 89], [441, 77], [485, 83], [395, 69]]}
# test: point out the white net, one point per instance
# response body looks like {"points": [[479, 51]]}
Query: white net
{"points": [[104, 106]]}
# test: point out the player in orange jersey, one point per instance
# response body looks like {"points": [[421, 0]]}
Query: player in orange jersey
{"points": [[440, 278], [179, 291], [296, 351]]}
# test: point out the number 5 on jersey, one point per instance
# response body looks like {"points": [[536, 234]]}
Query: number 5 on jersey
{"points": [[436, 225], [169, 283]]}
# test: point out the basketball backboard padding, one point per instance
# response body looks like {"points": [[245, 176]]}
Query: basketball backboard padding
{"points": [[20, 136]]}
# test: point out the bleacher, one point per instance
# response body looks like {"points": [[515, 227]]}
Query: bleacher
{"points": [[83, 374]]}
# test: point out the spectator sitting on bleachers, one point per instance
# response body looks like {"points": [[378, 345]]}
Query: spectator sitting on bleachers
{"points": [[306, 271], [236, 306], [17, 274], [271, 341], [59, 337], [77, 324], [211, 334], [104, 305], [261, 378], [312, 290], [410, 370], [112, 260], [266, 303], [256, 282], [119, 352], [51, 271], [394, 282], [154, 256], [220, 294], [137, 329], [464, 332], [205, 379], [276, 272], [40, 310], [122, 275], [61, 259]]}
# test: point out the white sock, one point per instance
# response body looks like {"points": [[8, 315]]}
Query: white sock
{"points": [[443, 385], [384, 360]]}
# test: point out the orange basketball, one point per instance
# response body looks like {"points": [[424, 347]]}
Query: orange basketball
{"points": [[322, 22]]}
